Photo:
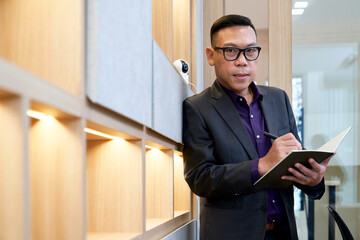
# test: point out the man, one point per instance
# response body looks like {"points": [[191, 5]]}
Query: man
{"points": [[225, 150]]}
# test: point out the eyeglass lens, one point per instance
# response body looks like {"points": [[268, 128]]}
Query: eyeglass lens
{"points": [[232, 54]]}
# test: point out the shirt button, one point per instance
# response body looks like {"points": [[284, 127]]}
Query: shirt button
{"points": [[273, 201], [257, 136], [252, 116], [240, 99], [273, 220]]}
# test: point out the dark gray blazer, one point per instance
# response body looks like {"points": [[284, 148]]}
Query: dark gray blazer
{"points": [[217, 150]]}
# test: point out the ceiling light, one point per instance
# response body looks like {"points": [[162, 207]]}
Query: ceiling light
{"points": [[297, 11], [301, 4]]}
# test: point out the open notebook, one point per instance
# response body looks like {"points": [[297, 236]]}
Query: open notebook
{"points": [[272, 179]]}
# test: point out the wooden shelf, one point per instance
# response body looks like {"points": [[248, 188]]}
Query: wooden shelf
{"points": [[182, 193], [59, 181], [111, 236], [12, 194], [113, 185], [159, 186], [56, 178]]}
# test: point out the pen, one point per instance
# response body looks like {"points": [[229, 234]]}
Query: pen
{"points": [[270, 135]]}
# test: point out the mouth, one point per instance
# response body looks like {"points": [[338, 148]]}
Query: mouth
{"points": [[241, 76]]}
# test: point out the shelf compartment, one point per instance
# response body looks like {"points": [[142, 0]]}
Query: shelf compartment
{"points": [[159, 185], [113, 184], [56, 175], [12, 152], [45, 38], [182, 193]]}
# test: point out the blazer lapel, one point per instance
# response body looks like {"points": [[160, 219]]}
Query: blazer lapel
{"points": [[268, 109], [225, 107]]}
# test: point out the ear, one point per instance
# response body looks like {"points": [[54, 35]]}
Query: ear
{"points": [[210, 55]]}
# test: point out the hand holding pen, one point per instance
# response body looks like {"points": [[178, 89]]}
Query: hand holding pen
{"points": [[280, 148]]}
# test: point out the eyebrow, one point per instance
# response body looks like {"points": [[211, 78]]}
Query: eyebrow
{"points": [[253, 44]]}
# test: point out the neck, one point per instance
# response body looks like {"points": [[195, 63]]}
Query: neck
{"points": [[248, 96]]}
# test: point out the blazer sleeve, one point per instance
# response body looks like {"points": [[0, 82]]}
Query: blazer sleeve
{"points": [[207, 176]]}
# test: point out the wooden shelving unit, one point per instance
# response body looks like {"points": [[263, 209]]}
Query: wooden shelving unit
{"points": [[12, 179], [113, 185], [71, 169], [159, 197], [55, 175], [182, 194], [62, 179]]}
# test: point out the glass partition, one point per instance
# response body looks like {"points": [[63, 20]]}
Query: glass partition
{"points": [[326, 37]]}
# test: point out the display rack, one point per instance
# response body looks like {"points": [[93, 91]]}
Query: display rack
{"points": [[72, 169]]}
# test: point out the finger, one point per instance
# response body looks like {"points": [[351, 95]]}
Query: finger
{"points": [[308, 171], [287, 136], [302, 180], [298, 175], [326, 161]]}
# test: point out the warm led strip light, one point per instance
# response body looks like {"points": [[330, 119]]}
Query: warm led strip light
{"points": [[88, 130], [38, 115], [149, 147]]}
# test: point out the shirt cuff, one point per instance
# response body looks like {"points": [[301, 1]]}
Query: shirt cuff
{"points": [[255, 171], [314, 192]]}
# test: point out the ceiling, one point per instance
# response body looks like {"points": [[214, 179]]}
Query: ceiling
{"points": [[317, 11], [321, 17]]}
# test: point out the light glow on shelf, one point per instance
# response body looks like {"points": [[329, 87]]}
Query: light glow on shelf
{"points": [[151, 148], [92, 131], [38, 115]]}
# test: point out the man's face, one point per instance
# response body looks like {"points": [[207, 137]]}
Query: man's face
{"points": [[234, 75]]}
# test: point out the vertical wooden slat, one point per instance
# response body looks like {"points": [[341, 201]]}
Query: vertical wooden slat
{"points": [[280, 44], [213, 9], [162, 28], [12, 189], [181, 30], [193, 59]]}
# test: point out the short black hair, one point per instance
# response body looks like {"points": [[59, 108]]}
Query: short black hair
{"points": [[229, 21]]}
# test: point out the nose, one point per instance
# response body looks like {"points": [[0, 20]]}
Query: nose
{"points": [[241, 60]]}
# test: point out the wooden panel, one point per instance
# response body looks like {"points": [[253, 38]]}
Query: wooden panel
{"points": [[262, 74], [193, 63], [12, 194], [159, 187], [280, 45], [181, 30], [162, 25], [56, 179], [114, 187], [181, 188], [46, 38], [213, 9]]}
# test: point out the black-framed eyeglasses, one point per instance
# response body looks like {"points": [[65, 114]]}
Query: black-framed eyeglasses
{"points": [[233, 53]]}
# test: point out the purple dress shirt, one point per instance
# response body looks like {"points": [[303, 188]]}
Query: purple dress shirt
{"points": [[254, 122]]}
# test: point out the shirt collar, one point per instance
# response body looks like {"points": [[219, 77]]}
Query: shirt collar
{"points": [[254, 88]]}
